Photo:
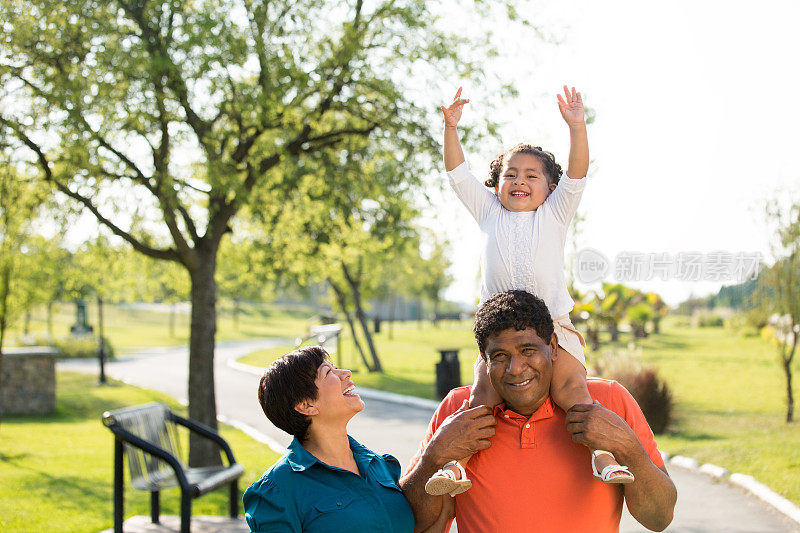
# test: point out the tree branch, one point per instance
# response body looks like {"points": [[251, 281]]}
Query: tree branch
{"points": [[157, 253]]}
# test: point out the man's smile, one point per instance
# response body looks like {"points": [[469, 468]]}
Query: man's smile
{"points": [[520, 384]]}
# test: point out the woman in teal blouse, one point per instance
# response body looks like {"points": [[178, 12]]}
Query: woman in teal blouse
{"points": [[326, 481]]}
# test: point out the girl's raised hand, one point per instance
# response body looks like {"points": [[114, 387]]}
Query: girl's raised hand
{"points": [[571, 107], [452, 114]]}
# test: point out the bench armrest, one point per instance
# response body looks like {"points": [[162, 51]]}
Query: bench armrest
{"points": [[205, 431]]}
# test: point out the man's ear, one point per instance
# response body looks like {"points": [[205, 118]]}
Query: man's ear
{"points": [[552, 187], [306, 408], [554, 347]]}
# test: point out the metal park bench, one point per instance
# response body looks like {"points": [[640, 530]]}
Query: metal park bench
{"points": [[148, 434]]}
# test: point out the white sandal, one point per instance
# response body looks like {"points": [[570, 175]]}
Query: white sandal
{"points": [[605, 475], [444, 481]]}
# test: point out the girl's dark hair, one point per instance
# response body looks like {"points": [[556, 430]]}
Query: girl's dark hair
{"points": [[511, 309], [287, 382], [551, 168]]}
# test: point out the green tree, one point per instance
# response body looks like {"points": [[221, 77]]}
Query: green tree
{"points": [[432, 275], [165, 119], [659, 307], [350, 223], [613, 306], [241, 276], [638, 316], [782, 284], [20, 201]]}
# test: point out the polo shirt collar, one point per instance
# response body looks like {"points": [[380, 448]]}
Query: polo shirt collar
{"points": [[301, 459], [544, 411]]}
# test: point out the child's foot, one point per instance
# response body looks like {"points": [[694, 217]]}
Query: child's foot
{"points": [[606, 469], [451, 479]]}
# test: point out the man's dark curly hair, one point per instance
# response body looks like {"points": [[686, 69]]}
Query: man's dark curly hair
{"points": [[511, 309], [287, 382], [551, 168]]}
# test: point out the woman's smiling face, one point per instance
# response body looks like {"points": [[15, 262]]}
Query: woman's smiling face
{"points": [[523, 184], [336, 396]]}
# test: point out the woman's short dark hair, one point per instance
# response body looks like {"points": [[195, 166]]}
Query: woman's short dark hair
{"points": [[511, 309], [287, 382], [548, 160]]}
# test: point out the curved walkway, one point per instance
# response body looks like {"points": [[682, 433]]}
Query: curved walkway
{"points": [[704, 505]]}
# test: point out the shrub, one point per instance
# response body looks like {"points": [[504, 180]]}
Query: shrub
{"points": [[653, 396], [74, 347], [647, 388], [707, 319], [71, 347], [740, 323]]}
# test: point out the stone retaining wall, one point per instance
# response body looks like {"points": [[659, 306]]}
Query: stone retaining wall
{"points": [[28, 381]]}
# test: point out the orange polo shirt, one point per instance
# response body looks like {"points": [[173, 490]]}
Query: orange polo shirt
{"points": [[533, 477]]}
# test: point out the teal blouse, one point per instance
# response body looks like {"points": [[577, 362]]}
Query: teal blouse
{"points": [[300, 493]]}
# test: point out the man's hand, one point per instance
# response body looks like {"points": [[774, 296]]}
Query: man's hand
{"points": [[600, 429], [463, 433], [571, 107], [452, 114], [460, 435], [651, 497]]}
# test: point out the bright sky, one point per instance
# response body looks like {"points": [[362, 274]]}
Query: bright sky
{"points": [[696, 126]]}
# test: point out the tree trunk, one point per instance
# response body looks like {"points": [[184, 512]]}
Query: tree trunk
{"points": [[236, 314], [172, 320], [657, 326], [393, 317], [26, 329], [5, 284], [50, 319], [787, 370], [340, 297], [592, 334], [202, 398], [614, 330], [362, 318]]}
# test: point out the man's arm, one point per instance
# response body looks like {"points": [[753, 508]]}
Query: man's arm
{"points": [[453, 155], [460, 435], [571, 108], [651, 497]]}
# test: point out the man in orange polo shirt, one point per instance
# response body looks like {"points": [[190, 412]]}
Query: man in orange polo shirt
{"points": [[532, 472]]}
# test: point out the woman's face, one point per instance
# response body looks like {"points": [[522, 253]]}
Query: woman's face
{"points": [[336, 397]]}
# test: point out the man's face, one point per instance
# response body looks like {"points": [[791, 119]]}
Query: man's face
{"points": [[520, 368]]}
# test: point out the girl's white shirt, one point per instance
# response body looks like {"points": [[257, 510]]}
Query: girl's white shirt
{"points": [[522, 250]]}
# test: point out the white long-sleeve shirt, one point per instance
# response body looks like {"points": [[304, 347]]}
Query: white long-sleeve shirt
{"points": [[522, 250]]}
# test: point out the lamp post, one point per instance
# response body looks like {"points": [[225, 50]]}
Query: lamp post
{"points": [[101, 344]]}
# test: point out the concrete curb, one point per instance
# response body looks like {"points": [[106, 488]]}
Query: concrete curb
{"points": [[748, 483], [767, 495]]}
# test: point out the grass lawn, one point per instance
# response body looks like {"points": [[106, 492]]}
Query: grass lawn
{"points": [[128, 327], [730, 397], [729, 391], [57, 471], [408, 356]]}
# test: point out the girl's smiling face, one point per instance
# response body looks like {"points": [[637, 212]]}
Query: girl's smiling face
{"points": [[523, 186]]}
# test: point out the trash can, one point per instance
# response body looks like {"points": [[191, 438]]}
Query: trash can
{"points": [[448, 372]]}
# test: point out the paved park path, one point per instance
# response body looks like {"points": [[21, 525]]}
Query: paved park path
{"points": [[704, 505]]}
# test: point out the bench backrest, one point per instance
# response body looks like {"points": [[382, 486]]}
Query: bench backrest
{"points": [[149, 422]]}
